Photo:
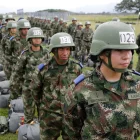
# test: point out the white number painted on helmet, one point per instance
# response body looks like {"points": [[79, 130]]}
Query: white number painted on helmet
{"points": [[127, 38], [65, 39], [36, 32]]}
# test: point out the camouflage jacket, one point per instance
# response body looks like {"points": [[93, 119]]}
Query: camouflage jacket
{"points": [[138, 43], [18, 45], [87, 34], [77, 34], [50, 82], [54, 26], [71, 28], [64, 29], [109, 111], [26, 64]]}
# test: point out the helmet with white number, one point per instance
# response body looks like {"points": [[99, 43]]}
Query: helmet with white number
{"points": [[23, 23], [119, 36], [60, 40], [35, 32]]}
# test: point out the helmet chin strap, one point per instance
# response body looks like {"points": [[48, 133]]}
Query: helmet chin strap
{"points": [[109, 65]]}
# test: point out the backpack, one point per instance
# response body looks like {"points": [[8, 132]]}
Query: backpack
{"points": [[29, 132], [4, 101], [17, 105], [15, 121], [3, 125], [4, 87]]}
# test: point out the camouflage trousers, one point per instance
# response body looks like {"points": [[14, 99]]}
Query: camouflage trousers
{"points": [[29, 103], [86, 47], [51, 126], [7, 67]]}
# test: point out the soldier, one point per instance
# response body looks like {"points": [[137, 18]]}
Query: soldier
{"points": [[110, 95], [77, 38], [18, 43], [59, 26], [28, 60], [72, 26], [7, 49], [64, 27], [86, 37], [49, 31], [54, 25], [50, 81]]}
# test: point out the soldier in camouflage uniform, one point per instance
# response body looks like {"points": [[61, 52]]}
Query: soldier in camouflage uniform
{"points": [[77, 39], [50, 81], [49, 31], [18, 43], [28, 60], [86, 37], [64, 27], [72, 27], [110, 95], [54, 25], [59, 26], [138, 52], [7, 49]]}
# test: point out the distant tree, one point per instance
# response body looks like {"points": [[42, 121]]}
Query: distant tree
{"points": [[129, 5]]}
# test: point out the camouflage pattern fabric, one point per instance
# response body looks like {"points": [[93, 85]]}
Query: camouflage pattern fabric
{"points": [[86, 37], [110, 110], [21, 78], [54, 26], [71, 29], [6, 55], [48, 88]]}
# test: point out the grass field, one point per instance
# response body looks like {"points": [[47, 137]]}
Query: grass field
{"points": [[93, 19]]}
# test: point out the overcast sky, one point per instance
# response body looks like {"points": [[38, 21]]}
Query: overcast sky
{"points": [[72, 5]]}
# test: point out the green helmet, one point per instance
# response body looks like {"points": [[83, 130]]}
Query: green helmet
{"points": [[35, 32], [9, 17], [23, 23], [3, 22], [74, 19], [80, 24], [119, 36], [11, 24], [96, 26], [61, 40], [115, 19], [87, 23]]}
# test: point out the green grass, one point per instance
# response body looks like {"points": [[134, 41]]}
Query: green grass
{"points": [[93, 19]]}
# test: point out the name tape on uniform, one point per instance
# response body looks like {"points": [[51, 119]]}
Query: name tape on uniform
{"points": [[127, 38], [65, 39]]}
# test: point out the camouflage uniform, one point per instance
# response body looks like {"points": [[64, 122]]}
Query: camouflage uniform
{"points": [[77, 40], [57, 79], [138, 52], [112, 110], [48, 84], [6, 55], [54, 26], [21, 79], [86, 37], [64, 27], [71, 29]]}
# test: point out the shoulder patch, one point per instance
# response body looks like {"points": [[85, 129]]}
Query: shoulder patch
{"points": [[1, 26], [11, 38], [23, 51], [135, 72], [41, 66], [79, 79]]}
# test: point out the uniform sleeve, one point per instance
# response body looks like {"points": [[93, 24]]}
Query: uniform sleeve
{"points": [[36, 86], [138, 43], [74, 114], [16, 79]]}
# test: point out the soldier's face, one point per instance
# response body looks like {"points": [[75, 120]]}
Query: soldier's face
{"points": [[74, 21], [36, 42], [63, 55], [120, 59], [24, 31], [13, 30]]}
